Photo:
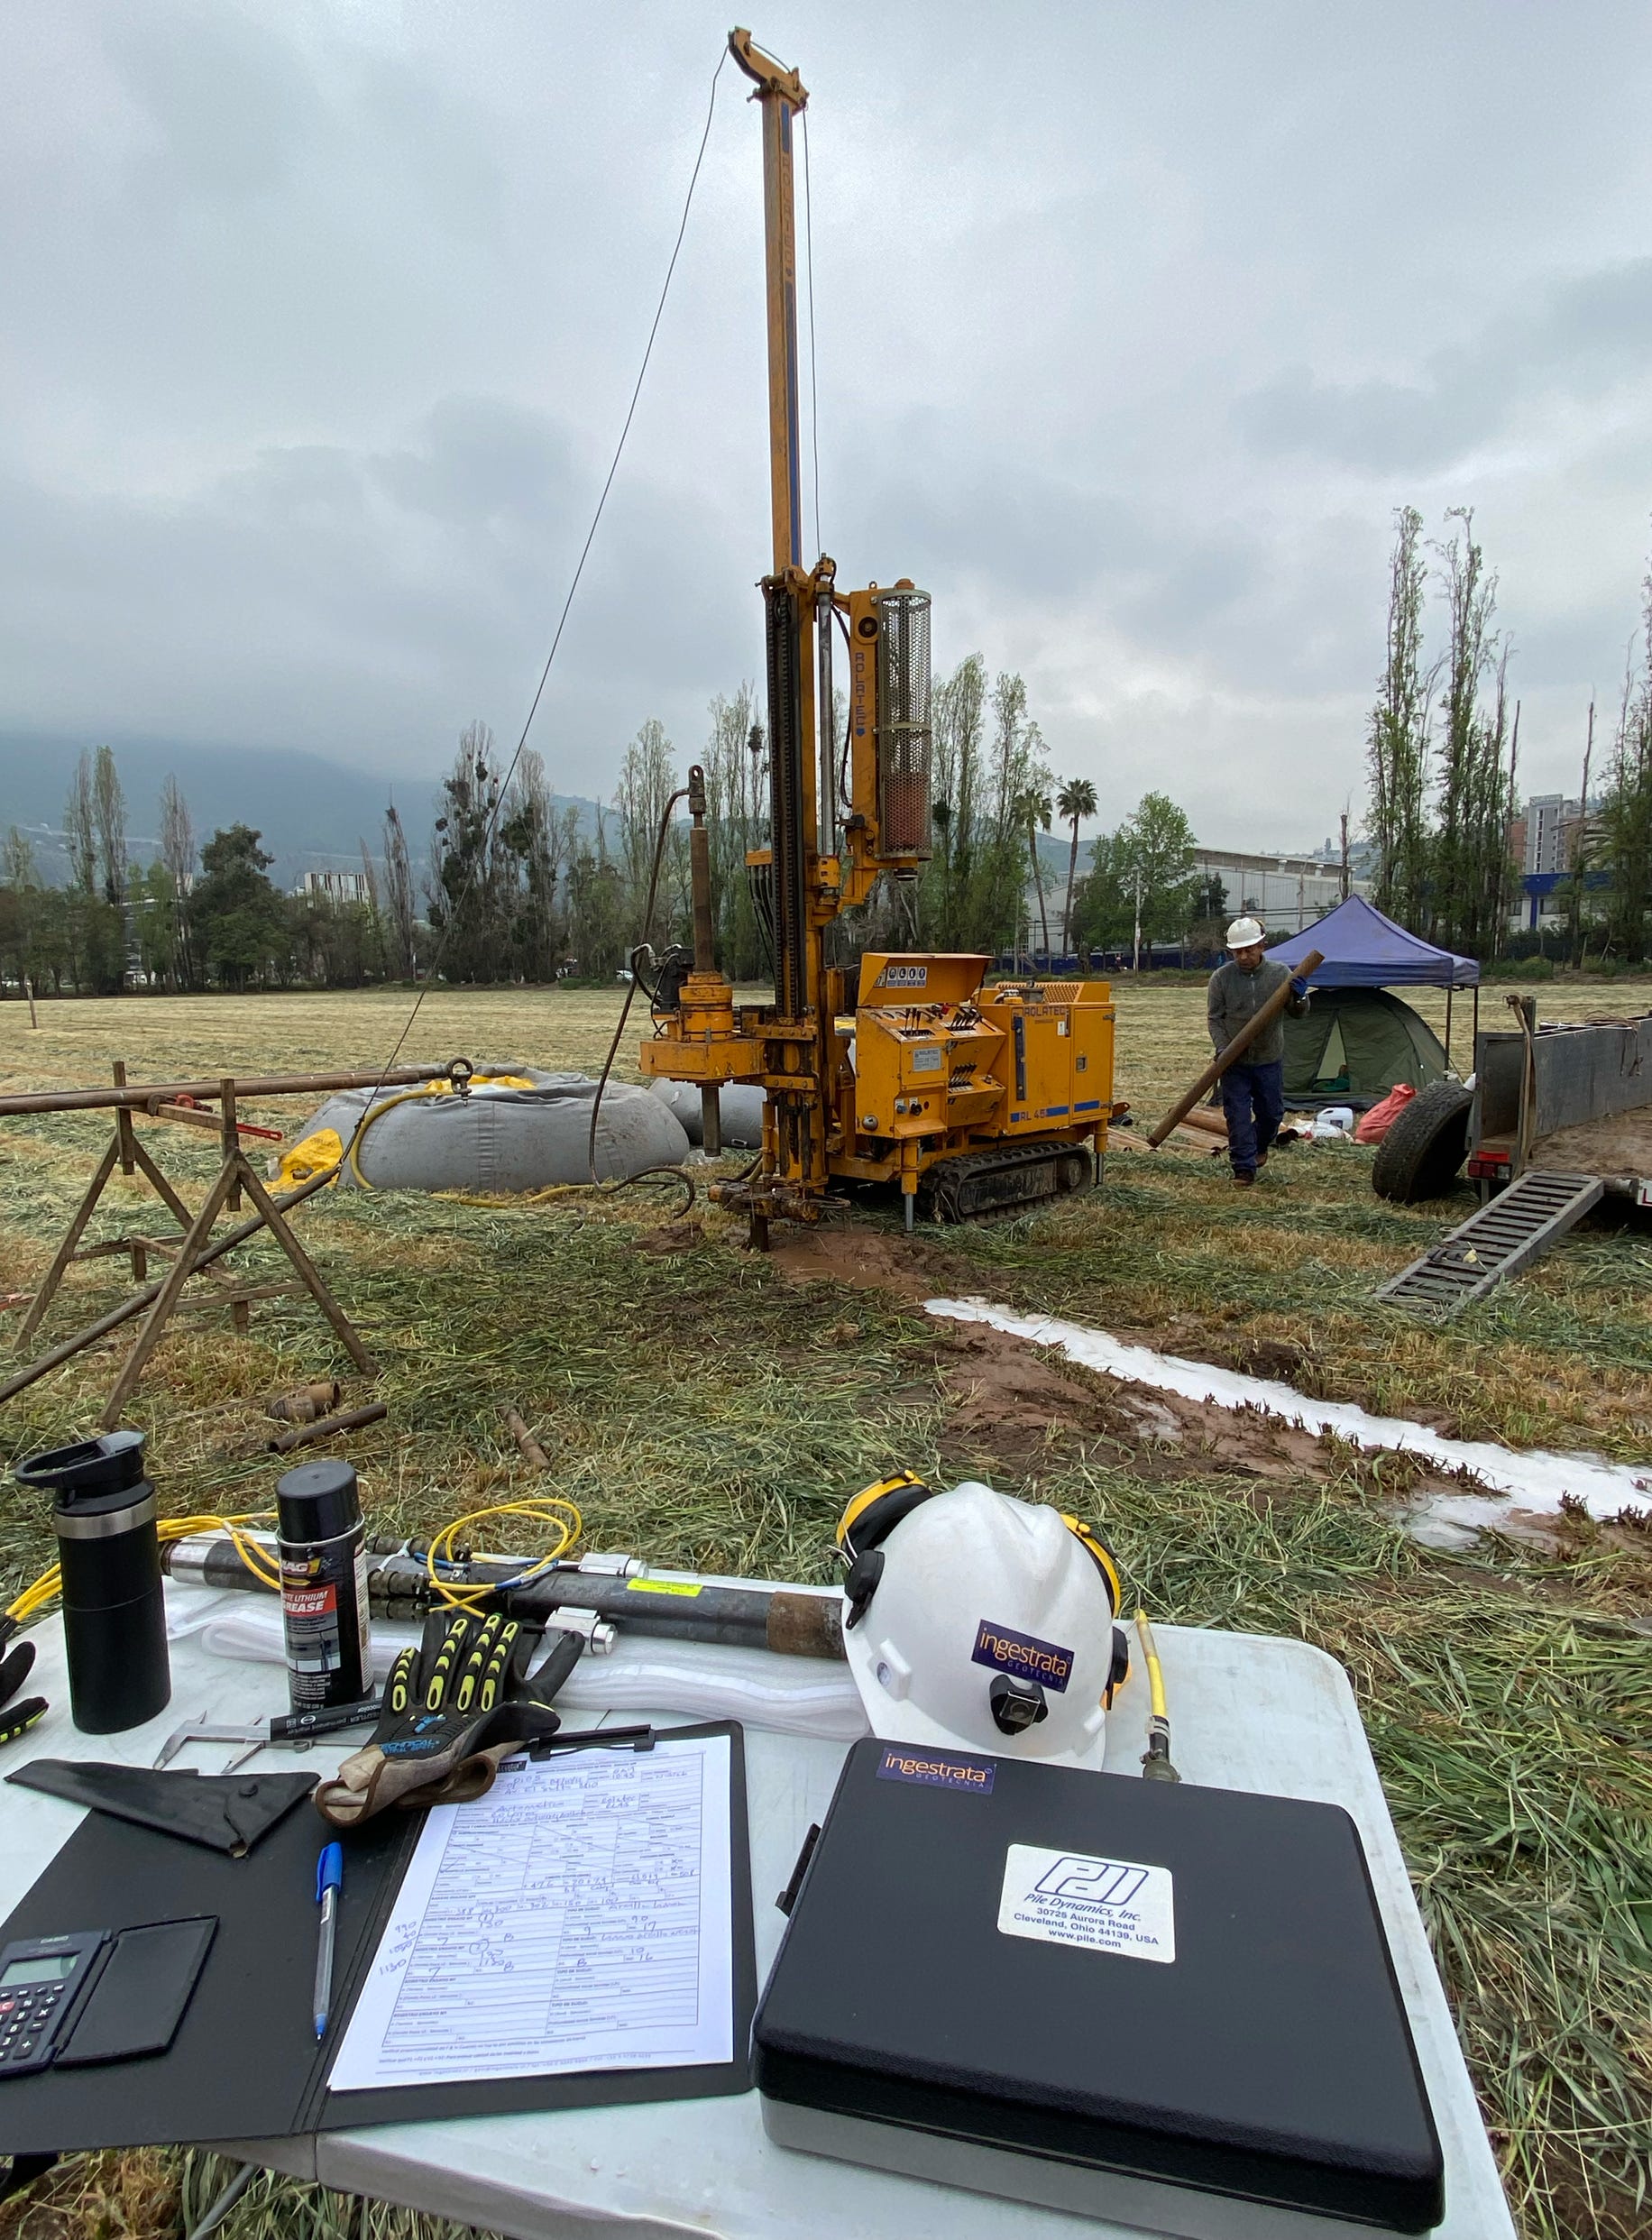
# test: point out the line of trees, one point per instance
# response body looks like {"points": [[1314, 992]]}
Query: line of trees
{"points": [[515, 886], [186, 919], [1444, 759]]}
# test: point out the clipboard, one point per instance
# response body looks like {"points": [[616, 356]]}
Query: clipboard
{"points": [[244, 2063]]}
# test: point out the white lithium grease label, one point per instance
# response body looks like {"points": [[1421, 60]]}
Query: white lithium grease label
{"points": [[1100, 1905]]}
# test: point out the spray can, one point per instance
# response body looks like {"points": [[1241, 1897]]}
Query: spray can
{"points": [[323, 1553], [114, 1610]]}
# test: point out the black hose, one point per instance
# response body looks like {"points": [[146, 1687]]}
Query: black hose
{"points": [[625, 1013]]}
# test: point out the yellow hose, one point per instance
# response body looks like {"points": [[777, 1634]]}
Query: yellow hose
{"points": [[1155, 1671], [405, 1097], [50, 1584]]}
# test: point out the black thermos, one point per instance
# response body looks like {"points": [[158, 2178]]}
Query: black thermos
{"points": [[114, 1610]]}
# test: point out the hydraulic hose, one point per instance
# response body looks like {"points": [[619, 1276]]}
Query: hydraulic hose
{"points": [[1156, 1760]]}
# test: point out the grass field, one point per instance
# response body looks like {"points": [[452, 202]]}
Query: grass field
{"points": [[702, 1409]]}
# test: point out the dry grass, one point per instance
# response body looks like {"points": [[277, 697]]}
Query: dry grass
{"points": [[701, 1408]]}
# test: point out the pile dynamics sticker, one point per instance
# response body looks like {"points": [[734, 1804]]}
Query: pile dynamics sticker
{"points": [[1099, 1905]]}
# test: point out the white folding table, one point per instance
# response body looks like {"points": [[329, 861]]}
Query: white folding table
{"points": [[1248, 1712]]}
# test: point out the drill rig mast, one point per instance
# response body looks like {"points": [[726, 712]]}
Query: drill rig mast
{"points": [[981, 1098]]}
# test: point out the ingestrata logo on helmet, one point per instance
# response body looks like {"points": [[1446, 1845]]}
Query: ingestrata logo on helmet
{"points": [[977, 1622], [1002, 1650]]}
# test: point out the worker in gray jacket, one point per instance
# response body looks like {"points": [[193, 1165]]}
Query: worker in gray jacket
{"points": [[1253, 1087]]}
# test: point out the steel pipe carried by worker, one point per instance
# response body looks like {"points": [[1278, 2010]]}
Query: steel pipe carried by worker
{"points": [[1247, 994]]}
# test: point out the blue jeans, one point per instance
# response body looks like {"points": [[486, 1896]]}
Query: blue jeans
{"points": [[1254, 1099]]}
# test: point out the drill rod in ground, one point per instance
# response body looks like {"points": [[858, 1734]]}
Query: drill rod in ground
{"points": [[1235, 1049], [785, 1620], [705, 946]]}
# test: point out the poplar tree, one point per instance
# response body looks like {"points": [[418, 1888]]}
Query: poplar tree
{"points": [[1625, 847], [1399, 736], [1471, 841]]}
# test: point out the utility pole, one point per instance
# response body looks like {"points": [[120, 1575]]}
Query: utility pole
{"points": [[1136, 963], [1344, 855]]}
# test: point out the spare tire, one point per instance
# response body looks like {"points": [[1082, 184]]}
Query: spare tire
{"points": [[1424, 1148]]}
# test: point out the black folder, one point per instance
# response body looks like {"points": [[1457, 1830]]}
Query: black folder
{"points": [[244, 2062]]}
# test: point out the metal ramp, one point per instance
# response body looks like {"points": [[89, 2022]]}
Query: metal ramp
{"points": [[1515, 1228]]}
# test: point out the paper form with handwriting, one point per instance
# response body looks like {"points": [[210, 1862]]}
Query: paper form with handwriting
{"points": [[578, 1916]]}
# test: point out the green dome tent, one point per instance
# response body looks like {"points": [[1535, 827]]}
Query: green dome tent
{"points": [[1356, 1044]]}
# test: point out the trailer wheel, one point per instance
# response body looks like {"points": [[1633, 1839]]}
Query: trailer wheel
{"points": [[1421, 1152]]}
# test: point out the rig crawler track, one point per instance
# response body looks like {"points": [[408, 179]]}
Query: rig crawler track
{"points": [[1003, 1179]]}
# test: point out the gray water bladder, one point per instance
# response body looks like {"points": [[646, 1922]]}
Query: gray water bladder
{"points": [[501, 1140]]}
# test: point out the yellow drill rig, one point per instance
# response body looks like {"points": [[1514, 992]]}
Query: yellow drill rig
{"points": [[977, 1097]]}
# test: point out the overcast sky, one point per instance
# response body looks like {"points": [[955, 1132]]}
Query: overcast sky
{"points": [[1134, 326]]}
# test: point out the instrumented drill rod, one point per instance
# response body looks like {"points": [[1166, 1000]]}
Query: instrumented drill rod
{"points": [[589, 1593]]}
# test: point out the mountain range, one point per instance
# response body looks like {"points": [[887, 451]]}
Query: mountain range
{"points": [[313, 814]]}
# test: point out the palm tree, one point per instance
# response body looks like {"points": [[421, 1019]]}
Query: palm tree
{"points": [[1076, 800], [1037, 808]]}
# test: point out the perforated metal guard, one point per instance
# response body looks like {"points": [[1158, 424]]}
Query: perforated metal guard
{"points": [[1515, 1228], [904, 723]]}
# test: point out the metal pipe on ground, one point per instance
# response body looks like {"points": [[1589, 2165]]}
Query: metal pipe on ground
{"points": [[352, 1419], [1235, 1049], [531, 1452]]}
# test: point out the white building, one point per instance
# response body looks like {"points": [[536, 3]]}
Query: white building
{"points": [[1287, 893], [1548, 817], [338, 886]]}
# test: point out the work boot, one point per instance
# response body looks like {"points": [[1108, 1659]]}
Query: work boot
{"points": [[1261, 1160], [1242, 1180]]}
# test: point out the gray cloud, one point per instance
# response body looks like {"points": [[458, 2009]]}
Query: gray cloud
{"points": [[321, 324], [1583, 337]]}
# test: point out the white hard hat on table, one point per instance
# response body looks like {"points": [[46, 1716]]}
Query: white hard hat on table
{"points": [[1245, 933], [978, 1596]]}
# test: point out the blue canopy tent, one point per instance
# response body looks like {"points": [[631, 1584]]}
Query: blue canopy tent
{"points": [[1362, 948]]}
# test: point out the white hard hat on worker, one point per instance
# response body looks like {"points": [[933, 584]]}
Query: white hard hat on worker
{"points": [[979, 1622], [1246, 933]]}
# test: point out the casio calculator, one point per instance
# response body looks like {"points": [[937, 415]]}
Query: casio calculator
{"points": [[42, 1979]]}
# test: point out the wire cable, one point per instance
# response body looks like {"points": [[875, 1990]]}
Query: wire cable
{"points": [[563, 1517], [659, 311], [677, 1174]]}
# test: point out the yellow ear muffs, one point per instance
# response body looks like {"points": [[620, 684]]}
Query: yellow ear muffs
{"points": [[872, 1516], [1100, 1555]]}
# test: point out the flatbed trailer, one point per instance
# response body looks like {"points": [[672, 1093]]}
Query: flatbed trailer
{"points": [[1577, 1099]]}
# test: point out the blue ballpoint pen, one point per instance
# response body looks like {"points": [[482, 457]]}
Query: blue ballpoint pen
{"points": [[329, 1882]]}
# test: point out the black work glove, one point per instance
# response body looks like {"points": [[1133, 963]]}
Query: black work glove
{"points": [[17, 1719], [453, 1708]]}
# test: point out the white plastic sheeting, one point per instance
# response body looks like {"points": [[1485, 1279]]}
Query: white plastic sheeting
{"points": [[1532, 1482], [813, 1695]]}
